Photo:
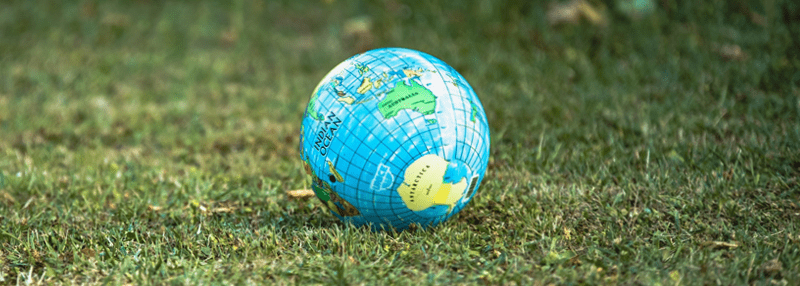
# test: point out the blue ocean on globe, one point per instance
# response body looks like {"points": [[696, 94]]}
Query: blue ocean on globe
{"points": [[392, 137]]}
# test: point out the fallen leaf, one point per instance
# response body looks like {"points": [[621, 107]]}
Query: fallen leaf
{"points": [[300, 194]]}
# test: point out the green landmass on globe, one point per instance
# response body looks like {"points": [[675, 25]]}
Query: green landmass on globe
{"points": [[310, 109], [474, 111], [403, 96]]}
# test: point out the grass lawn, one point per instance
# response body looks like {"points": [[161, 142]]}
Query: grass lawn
{"points": [[155, 142]]}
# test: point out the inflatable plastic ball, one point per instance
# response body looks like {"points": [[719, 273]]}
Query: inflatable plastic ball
{"points": [[392, 137]]}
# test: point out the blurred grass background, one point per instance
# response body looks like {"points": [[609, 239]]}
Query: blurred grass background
{"points": [[633, 141]]}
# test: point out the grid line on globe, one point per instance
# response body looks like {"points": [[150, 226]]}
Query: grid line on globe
{"points": [[392, 137]]}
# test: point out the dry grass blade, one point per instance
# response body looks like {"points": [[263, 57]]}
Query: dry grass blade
{"points": [[720, 244]]}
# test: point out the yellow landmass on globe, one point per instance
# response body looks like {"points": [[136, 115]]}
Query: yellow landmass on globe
{"points": [[347, 99], [334, 172], [366, 85], [423, 186], [412, 73]]}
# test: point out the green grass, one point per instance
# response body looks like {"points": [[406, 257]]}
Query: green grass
{"points": [[147, 142]]}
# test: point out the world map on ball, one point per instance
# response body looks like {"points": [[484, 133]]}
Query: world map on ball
{"points": [[392, 137]]}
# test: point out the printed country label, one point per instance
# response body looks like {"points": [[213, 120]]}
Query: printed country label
{"points": [[411, 96]]}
